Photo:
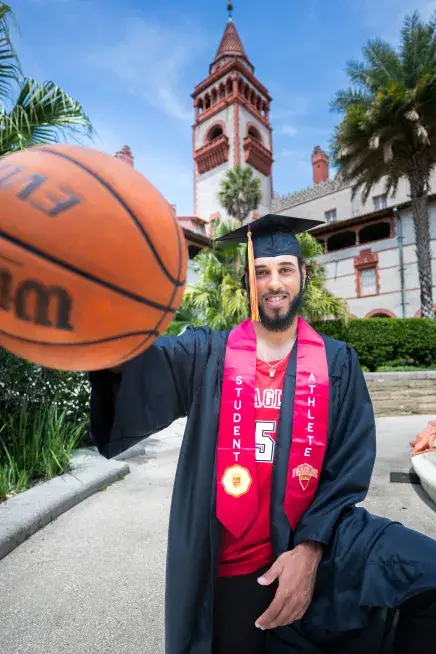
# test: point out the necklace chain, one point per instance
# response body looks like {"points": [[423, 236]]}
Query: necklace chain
{"points": [[272, 368]]}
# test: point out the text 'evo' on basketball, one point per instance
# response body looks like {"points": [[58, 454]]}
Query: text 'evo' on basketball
{"points": [[30, 183]]}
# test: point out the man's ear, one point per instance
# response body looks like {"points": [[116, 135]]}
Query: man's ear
{"points": [[245, 283], [304, 274]]}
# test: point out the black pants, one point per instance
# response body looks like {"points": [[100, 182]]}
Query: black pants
{"points": [[239, 601]]}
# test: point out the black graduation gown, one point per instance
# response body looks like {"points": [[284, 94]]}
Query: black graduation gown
{"points": [[367, 564]]}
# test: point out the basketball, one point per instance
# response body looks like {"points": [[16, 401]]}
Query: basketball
{"points": [[92, 258]]}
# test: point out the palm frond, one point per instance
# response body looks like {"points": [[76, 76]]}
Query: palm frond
{"points": [[240, 192], [43, 113], [10, 68]]}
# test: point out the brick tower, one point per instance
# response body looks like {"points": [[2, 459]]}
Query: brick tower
{"points": [[231, 126]]}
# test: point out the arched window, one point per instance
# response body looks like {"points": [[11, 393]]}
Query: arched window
{"points": [[214, 133], [254, 132], [229, 86], [207, 101], [222, 92], [374, 232], [341, 241], [214, 96]]}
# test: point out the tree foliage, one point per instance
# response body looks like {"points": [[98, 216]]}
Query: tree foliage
{"points": [[388, 127], [240, 192], [219, 299], [32, 112]]}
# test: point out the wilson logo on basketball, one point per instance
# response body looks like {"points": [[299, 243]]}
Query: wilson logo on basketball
{"points": [[31, 301]]}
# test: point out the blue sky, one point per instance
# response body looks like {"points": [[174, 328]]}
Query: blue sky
{"points": [[134, 64]]}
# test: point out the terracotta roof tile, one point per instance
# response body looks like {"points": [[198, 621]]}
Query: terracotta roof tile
{"points": [[231, 44]]}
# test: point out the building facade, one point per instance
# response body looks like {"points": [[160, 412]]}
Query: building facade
{"points": [[369, 247], [231, 127]]}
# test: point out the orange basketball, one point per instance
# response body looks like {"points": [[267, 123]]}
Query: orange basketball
{"points": [[92, 258]]}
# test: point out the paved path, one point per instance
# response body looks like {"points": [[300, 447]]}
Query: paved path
{"points": [[92, 581]]}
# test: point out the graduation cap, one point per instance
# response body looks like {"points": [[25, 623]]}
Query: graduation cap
{"points": [[272, 235]]}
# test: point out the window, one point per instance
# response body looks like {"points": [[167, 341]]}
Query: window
{"points": [[374, 232], [368, 281], [254, 132], [214, 133], [380, 201], [330, 216]]}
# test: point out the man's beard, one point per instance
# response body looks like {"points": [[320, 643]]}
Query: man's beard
{"points": [[281, 323]]}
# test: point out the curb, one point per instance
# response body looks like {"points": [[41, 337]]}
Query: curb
{"points": [[425, 467], [26, 513]]}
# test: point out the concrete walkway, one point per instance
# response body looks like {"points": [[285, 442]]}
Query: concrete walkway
{"points": [[92, 582]]}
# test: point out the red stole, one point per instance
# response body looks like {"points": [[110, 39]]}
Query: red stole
{"points": [[237, 495]]}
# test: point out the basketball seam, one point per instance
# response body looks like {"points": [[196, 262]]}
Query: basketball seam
{"points": [[82, 273], [121, 201], [108, 339]]}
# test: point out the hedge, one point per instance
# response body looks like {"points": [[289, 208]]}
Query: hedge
{"points": [[377, 341], [387, 341]]}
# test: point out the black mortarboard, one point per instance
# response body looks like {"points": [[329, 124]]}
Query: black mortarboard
{"points": [[272, 235]]}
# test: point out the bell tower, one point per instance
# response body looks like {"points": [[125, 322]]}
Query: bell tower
{"points": [[231, 126]]}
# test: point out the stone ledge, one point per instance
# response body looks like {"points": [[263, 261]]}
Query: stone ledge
{"points": [[404, 376], [425, 467], [26, 513]]}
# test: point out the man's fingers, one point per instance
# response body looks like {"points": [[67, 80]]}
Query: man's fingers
{"points": [[272, 611], [271, 574], [288, 615]]}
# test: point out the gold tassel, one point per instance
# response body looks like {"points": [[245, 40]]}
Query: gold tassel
{"points": [[252, 281]]}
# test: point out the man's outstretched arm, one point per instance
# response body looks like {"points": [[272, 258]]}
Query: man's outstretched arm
{"points": [[149, 392]]}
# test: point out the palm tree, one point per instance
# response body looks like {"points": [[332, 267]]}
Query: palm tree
{"points": [[240, 193], [42, 112], [388, 130], [220, 301]]}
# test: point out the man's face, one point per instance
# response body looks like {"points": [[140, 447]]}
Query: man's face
{"points": [[279, 290]]}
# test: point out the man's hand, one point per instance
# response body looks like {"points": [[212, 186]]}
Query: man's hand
{"points": [[296, 574], [424, 442]]}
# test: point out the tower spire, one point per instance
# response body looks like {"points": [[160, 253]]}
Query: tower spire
{"points": [[230, 8]]}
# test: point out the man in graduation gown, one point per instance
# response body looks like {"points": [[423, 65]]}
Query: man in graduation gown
{"points": [[267, 551]]}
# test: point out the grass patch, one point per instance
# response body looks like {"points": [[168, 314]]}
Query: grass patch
{"points": [[35, 445]]}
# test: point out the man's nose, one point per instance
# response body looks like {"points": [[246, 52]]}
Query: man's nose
{"points": [[274, 282]]}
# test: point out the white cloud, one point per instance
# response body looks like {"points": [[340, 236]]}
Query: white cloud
{"points": [[288, 105], [300, 155], [386, 17], [289, 130], [151, 57]]}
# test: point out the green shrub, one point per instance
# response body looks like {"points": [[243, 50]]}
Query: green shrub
{"points": [[402, 342], [22, 383], [35, 445], [44, 415]]}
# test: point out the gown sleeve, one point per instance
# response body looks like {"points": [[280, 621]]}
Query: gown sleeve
{"points": [[349, 458], [154, 389]]}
